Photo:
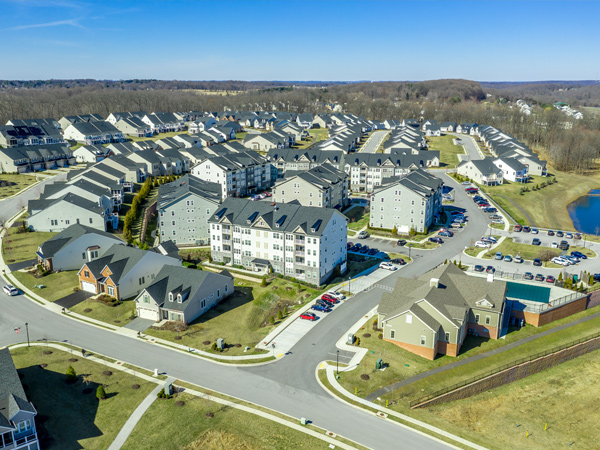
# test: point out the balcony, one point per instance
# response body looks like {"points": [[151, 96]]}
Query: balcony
{"points": [[300, 260], [299, 253], [300, 240]]}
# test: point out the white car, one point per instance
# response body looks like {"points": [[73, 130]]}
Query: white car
{"points": [[518, 259], [482, 244], [560, 261], [387, 266], [554, 244], [10, 290], [336, 295], [466, 183], [498, 221], [490, 238]]}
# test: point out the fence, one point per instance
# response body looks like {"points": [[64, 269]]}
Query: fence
{"points": [[497, 370]]}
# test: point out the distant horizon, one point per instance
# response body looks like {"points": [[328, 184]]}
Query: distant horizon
{"points": [[350, 41]]}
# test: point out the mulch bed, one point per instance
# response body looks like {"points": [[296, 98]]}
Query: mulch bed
{"points": [[209, 415], [107, 373], [206, 343], [73, 360], [135, 386], [47, 352], [87, 310], [365, 377], [179, 403], [43, 365], [177, 338], [367, 335]]}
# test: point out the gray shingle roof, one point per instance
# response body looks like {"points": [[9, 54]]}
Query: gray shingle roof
{"points": [[68, 235], [12, 394], [171, 192]]}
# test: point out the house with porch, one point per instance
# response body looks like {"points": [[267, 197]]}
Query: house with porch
{"points": [[481, 171], [123, 272], [435, 312], [182, 294], [512, 169]]}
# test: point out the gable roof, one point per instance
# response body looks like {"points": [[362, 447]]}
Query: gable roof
{"points": [[12, 394], [53, 245]]}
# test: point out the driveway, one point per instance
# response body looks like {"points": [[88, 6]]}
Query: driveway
{"points": [[73, 299], [139, 324], [375, 139], [22, 264]]}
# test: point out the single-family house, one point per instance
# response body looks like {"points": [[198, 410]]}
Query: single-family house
{"points": [[482, 171]]}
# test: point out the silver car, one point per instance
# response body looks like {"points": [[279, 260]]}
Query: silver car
{"points": [[10, 290]]}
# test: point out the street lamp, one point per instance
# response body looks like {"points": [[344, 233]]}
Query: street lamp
{"points": [[409, 247], [350, 285], [27, 329], [273, 347], [337, 362]]}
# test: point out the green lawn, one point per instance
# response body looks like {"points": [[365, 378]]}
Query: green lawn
{"points": [[188, 428], [528, 251], [58, 284], [448, 151], [17, 247], [547, 207], [358, 218], [115, 315], [242, 318], [11, 184], [67, 417], [316, 135], [404, 364]]}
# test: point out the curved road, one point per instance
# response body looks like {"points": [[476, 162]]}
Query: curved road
{"points": [[288, 385]]}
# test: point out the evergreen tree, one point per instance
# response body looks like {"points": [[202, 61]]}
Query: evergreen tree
{"points": [[71, 375], [100, 393]]}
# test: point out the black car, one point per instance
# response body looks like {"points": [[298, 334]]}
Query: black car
{"points": [[536, 241], [490, 210], [490, 269], [479, 268], [355, 249], [537, 262], [437, 240], [401, 242], [539, 277], [364, 249], [564, 245], [398, 261], [559, 234], [372, 252], [526, 229], [550, 233]]}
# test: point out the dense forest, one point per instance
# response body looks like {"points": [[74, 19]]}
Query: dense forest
{"points": [[568, 144]]}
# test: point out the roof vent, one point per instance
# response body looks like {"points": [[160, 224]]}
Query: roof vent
{"points": [[434, 283]]}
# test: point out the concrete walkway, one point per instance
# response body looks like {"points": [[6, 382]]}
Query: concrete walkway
{"points": [[372, 396], [137, 415]]}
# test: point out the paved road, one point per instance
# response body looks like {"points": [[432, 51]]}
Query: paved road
{"points": [[470, 146], [375, 139], [288, 385]]}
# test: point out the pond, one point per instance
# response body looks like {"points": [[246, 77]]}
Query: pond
{"points": [[585, 212]]}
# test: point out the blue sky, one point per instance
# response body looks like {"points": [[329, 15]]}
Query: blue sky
{"points": [[300, 40]]}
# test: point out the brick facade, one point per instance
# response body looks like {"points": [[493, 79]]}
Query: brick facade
{"points": [[425, 352], [485, 331], [550, 315]]}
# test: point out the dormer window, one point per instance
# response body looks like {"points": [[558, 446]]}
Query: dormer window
{"points": [[170, 296]]}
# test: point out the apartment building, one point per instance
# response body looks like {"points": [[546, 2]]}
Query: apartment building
{"points": [[239, 174], [322, 186], [288, 159], [414, 201], [184, 207], [303, 242]]}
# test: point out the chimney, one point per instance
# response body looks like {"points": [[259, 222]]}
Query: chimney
{"points": [[434, 282]]}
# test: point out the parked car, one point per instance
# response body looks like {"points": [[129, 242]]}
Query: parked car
{"points": [[536, 241], [597, 277], [479, 268], [363, 235], [539, 277], [577, 236], [528, 276], [550, 279], [458, 220], [550, 233], [497, 221], [437, 240], [401, 242], [490, 238], [320, 308], [526, 229], [446, 233], [535, 231], [399, 261], [372, 252], [9, 289], [518, 228], [554, 244], [517, 259], [490, 269], [349, 245], [559, 234], [579, 255], [508, 258], [336, 295], [561, 261], [482, 244], [490, 210], [572, 259], [465, 183], [387, 266], [456, 211], [323, 303], [255, 198], [569, 235], [495, 216], [329, 298], [267, 194], [309, 316], [498, 256], [564, 245], [537, 262], [364, 249]]}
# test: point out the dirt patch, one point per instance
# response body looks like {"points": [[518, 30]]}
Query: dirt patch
{"points": [[47, 352], [179, 403], [365, 377], [135, 386], [107, 373], [73, 360], [43, 366], [87, 310]]}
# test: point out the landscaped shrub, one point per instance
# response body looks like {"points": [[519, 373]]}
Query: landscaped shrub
{"points": [[264, 280], [214, 346], [71, 375], [375, 325], [279, 315], [100, 393], [380, 336], [271, 320]]}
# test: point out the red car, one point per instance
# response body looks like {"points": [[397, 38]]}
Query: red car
{"points": [[329, 299], [308, 316], [550, 279], [267, 194]]}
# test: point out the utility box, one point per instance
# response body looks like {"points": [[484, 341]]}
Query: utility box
{"points": [[379, 364], [303, 421], [168, 389], [220, 344], [350, 339]]}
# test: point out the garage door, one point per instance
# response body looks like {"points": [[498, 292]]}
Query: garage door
{"points": [[88, 287], [147, 314]]}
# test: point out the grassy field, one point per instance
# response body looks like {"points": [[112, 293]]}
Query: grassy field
{"points": [[67, 417], [22, 245], [115, 315], [242, 318], [528, 251], [547, 207], [11, 184], [58, 284], [358, 218], [448, 151], [404, 364], [559, 397], [188, 428]]}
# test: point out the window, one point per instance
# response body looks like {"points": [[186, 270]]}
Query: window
{"points": [[447, 337], [146, 298], [110, 290], [141, 280], [91, 220], [423, 340], [488, 320], [408, 318], [83, 255], [476, 318], [392, 334], [53, 222], [86, 274], [67, 222]]}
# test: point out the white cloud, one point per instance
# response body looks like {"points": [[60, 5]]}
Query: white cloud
{"points": [[70, 22]]}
